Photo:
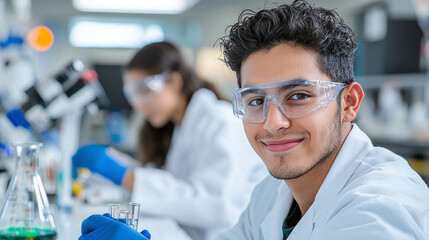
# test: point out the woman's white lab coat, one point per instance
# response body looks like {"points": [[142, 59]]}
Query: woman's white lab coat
{"points": [[210, 171], [369, 193]]}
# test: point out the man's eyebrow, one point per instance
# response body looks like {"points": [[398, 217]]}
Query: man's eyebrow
{"points": [[254, 91], [283, 88], [289, 80], [297, 82]]}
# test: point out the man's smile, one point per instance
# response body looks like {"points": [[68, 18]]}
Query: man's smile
{"points": [[282, 145]]}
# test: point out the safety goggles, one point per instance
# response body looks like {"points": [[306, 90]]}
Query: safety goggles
{"points": [[145, 89], [294, 99]]}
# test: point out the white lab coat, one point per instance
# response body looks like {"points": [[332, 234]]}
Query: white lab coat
{"points": [[210, 172], [369, 193]]}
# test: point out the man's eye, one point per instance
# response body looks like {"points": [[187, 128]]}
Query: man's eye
{"points": [[256, 102], [299, 96]]}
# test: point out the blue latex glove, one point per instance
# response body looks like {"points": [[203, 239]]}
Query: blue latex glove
{"points": [[95, 158], [17, 118], [98, 227]]}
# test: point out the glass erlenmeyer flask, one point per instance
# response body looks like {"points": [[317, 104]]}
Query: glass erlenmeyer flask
{"points": [[25, 212]]}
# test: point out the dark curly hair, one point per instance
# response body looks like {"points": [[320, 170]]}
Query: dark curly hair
{"points": [[314, 28]]}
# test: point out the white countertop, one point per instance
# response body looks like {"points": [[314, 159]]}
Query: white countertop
{"points": [[68, 226]]}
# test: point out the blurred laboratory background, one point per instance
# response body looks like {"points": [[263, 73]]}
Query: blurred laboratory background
{"points": [[61, 66]]}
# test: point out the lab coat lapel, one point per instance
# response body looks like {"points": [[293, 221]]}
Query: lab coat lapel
{"points": [[182, 141], [272, 224], [355, 147], [304, 228]]}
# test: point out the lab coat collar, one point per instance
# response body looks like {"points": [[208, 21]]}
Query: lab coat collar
{"points": [[355, 147], [201, 99], [272, 224]]}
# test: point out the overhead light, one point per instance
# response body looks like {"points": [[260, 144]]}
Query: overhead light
{"points": [[135, 6], [109, 34]]}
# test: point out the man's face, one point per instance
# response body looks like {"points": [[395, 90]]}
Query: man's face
{"points": [[291, 147]]}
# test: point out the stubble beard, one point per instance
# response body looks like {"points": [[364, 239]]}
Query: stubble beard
{"points": [[287, 172]]}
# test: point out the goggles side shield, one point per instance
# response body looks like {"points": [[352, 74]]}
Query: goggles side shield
{"points": [[294, 99]]}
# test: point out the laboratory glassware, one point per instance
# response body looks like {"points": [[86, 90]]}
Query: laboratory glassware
{"points": [[124, 216], [129, 217], [25, 212], [113, 210], [134, 215]]}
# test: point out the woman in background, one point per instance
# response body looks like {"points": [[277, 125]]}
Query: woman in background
{"points": [[198, 166]]}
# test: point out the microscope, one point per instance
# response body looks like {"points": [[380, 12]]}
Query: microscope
{"points": [[30, 111]]}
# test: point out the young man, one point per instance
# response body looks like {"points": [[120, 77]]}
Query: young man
{"points": [[297, 99]]}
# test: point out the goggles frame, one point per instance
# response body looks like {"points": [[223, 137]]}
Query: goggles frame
{"points": [[151, 84], [330, 91]]}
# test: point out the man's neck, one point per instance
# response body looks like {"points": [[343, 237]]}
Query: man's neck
{"points": [[305, 188]]}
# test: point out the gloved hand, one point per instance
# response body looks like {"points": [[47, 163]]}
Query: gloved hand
{"points": [[95, 158], [98, 227]]}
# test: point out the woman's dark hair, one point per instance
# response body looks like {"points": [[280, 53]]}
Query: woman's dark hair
{"points": [[320, 30], [156, 58]]}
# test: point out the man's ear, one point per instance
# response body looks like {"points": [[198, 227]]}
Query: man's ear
{"points": [[351, 96]]}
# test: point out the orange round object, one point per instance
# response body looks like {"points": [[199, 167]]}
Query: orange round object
{"points": [[40, 38]]}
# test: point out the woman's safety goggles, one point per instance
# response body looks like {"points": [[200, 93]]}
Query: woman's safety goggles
{"points": [[144, 90], [296, 98]]}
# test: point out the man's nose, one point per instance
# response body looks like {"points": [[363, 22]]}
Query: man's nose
{"points": [[275, 120]]}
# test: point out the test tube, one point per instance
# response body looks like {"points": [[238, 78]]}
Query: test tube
{"points": [[134, 215], [114, 209], [124, 216]]}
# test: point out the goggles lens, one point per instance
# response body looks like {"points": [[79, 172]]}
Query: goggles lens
{"points": [[294, 99], [146, 88]]}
